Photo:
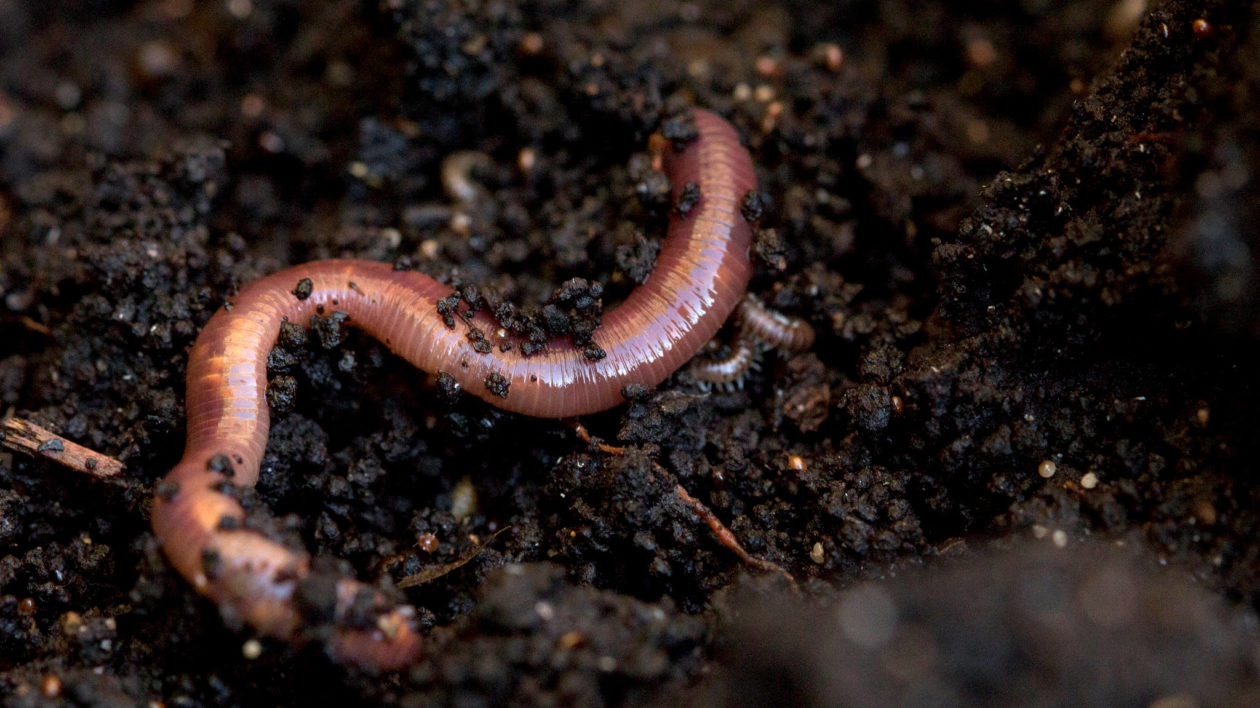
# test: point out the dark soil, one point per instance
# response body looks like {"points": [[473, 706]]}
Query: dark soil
{"points": [[1025, 234]]}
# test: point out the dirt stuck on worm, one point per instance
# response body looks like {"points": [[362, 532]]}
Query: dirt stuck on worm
{"points": [[1023, 235]]}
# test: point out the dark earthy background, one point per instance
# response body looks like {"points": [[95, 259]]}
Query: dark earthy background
{"points": [[1024, 233]]}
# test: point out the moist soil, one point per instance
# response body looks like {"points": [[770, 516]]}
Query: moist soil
{"points": [[1018, 463]]}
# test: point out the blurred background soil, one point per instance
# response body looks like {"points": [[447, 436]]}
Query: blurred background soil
{"points": [[1018, 465]]}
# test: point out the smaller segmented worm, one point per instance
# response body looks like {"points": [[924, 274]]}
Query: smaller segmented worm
{"points": [[457, 178], [753, 320], [699, 276], [757, 328], [728, 372]]}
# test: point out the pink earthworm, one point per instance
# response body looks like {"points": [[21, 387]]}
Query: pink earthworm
{"points": [[700, 275]]}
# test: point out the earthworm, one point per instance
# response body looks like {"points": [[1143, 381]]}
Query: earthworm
{"points": [[756, 328], [700, 274]]}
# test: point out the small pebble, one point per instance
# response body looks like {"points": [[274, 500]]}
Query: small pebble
{"points": [[816, 554], [251, 649], [832, 57], [50, 686]]}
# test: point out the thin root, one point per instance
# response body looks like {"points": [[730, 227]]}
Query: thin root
{"points": [[727, 537], [600, 445], [29, 323], [724, 535]]}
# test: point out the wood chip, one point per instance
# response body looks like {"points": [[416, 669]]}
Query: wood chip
{"points": [[24, 436]]}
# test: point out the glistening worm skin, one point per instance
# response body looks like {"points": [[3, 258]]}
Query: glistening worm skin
{"points": [[700, 274]]}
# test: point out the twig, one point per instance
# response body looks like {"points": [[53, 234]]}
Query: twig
{"points": [[24, 436], [435, 572]]}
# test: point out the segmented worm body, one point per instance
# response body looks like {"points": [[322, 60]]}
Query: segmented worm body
{"points": [[757, 328], [755, 321], [728, 372], [699, 276]]}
